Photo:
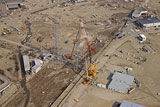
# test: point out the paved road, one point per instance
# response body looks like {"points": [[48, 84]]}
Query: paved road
{"points": [[6, 83]]}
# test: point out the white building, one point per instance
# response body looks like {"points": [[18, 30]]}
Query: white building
{"points": [[130, 104], [121, 82], [118, 86], [138, 12], [26, 63], [36, 68], [127, 79], [148, 22], [38, 62]]}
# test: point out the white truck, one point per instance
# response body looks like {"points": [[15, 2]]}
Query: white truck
{"points": [[142, 38]]}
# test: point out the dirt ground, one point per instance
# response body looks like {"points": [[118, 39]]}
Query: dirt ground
{"points": [[49, 83]]}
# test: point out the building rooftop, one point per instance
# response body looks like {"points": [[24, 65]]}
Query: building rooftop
{"points": [[26, 63], [38, 62], [12, 6], [11, 1], [149, 20], [123, 78], [121, 82], [118, 86], [137, 11], [129, 104], [36, 68]]}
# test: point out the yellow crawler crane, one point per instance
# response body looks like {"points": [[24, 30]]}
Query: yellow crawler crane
{"points": [[91, 70]]}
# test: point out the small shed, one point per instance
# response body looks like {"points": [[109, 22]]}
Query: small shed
{"points": [[138, 11], [12, 6], [130, 104], [36, 68]]}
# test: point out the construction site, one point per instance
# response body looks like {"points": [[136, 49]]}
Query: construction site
{"points": [[79, 53]]}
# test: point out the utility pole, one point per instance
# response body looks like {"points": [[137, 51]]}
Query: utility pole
{"points": [[55, 39]]}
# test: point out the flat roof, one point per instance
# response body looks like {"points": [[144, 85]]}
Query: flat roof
{"points": [[142, 35], [149, 20], [118, 86], [26, 62], [38, 62], [36, 67], [123, 78], [12, 6], [130, 104]]}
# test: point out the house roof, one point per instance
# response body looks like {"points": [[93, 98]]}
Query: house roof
{"points": [[129, 104], [123, 78], [149, 20]]}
